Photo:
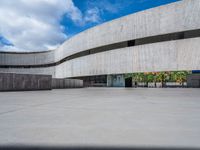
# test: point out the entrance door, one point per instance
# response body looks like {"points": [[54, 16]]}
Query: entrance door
{"points": [[128, 82]]}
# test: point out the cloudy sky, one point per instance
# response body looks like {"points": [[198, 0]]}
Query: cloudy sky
{"points": [[37, 25]]}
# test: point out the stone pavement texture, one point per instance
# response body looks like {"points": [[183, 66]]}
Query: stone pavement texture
{"points": [[101, 117]]}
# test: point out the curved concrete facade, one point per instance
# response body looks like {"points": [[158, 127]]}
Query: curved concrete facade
{"points": [[167, 55]]}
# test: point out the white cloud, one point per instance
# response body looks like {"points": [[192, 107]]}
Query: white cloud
{"points": [[92, 15], [35, 24], [107, 6], [81, 18]]}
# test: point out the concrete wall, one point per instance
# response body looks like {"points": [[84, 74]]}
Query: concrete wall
{"points": [[163, 56], [178, 16], [43, 71], [19, 82], [193, 80], [26, 82], [66, 83], [36, 58]]}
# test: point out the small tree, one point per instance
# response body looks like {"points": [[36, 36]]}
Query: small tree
{"points": [[162, 77], [150, 77], [138, 77], [181, 76]]}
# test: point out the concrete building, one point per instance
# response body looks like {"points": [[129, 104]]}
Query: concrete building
{"points": [[165, 38]]}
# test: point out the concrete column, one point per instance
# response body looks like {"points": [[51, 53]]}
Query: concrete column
{"points": [[109, 80]]}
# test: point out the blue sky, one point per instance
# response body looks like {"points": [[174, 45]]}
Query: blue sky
{"points": [[45, 24], [109, 10]]}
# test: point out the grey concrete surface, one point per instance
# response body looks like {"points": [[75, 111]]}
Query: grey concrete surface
{"points": [[22, 82], [66, 83], [101, 117], [193, 80], [29, 82]]}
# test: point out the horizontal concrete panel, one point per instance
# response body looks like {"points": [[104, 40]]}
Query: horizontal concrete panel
{"points": [[39, 71], [26, 58], [179, 16], [164, 56]]}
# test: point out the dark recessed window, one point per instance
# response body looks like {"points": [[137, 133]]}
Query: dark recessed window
{"points": [[131, 43]]}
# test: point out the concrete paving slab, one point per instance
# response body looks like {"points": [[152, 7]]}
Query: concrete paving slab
{"points": [[101, 117]]}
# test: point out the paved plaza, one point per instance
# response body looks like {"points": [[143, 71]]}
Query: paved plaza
{"points": [[101, 117]]}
